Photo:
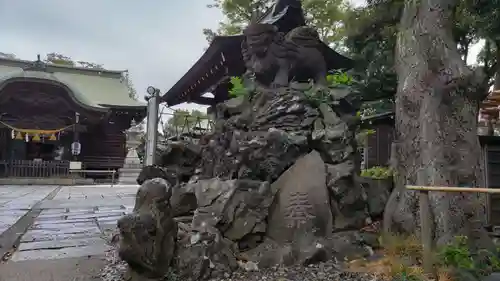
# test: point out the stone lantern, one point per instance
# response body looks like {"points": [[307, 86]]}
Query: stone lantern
{"points": [[132, 164]]}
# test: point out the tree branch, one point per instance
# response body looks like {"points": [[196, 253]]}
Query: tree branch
{"points": [[472, 85]]}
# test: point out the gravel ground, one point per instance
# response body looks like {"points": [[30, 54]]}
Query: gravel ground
{"points": [[115, 271], [115, 268], [324, 271]]}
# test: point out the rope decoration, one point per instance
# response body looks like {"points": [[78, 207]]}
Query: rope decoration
{"points": [[36, 134]]}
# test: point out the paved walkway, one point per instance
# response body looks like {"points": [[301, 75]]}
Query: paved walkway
{"points": [[70, 226], [15, 201]]}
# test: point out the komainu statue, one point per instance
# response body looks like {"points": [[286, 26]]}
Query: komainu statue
{"points": [[274, 59], [148, 234]]}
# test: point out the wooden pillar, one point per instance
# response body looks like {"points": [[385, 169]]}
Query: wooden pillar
{"points": [[426, 228]]}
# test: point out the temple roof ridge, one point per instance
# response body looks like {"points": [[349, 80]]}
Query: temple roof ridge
{"points": [[91, 87], [60, 67]]}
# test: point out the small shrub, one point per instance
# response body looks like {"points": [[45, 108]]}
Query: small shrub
{"points": [[454, 261], [335, 80], [339, 78], [401, 246], [362, 136], [237, 89], [377, 172], [457, 255], [399, 261], [402, 272]]}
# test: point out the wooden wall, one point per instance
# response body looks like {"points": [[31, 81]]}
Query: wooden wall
{"points": [[378, 146], [103, 147], [491, 152]]}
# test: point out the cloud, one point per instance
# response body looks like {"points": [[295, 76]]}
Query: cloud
{"points": [[156, 40]]}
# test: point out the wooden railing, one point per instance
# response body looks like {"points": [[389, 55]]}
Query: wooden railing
{"points": [[34, 168], [54, 169], [425, 218], [102, 162], [98, 176]]}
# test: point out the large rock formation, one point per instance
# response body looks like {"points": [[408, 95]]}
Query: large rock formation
{"points": [[176, 161], [148, 234], [274, 183]]}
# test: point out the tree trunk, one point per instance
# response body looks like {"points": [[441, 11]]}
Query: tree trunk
{"points": [[496, 86], [437, 104]]}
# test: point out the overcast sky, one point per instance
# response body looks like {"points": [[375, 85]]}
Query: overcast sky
{"points": [[156, 40]]}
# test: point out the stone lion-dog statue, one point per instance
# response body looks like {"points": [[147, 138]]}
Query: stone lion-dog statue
{"points": [[148, 234], [274, 59]]}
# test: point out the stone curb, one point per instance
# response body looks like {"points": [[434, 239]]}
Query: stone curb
{"points": [[10, 238]]}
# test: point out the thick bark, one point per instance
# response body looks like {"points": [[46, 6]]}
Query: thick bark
{"points": [[496, 86], [436, 122]]}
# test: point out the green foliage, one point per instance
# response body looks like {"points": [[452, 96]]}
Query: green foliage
{"points": [[377, 172], [327, 16], [185, 118], [339, 79], [376, 107], [484, 15], [362, 136], [7, 55], [458, 255], [371, 39], [60, 59], [56, 58], [171, 276], [371, 33], [237, 87], [131, 89], [339, 85], [406, 273], [237, 14]]}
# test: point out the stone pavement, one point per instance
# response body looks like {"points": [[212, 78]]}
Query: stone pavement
{"points": [[15, 201], [70, 227], [72, 224], [68, 269]]}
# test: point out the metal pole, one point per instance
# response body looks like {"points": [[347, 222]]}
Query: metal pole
{"points": [[152, 128]]}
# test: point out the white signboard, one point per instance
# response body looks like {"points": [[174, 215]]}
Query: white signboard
{"points": [[75, 165]]}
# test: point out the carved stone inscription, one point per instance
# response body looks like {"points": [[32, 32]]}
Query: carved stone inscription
{"points": [[302, 203], [299, 210]]}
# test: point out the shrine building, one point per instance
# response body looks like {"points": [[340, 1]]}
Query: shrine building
{"points": [[223, 59], [53, 115]]}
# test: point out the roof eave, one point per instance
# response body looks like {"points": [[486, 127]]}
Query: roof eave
{"points": [[129, 107], [214, 49], [67, 88]]}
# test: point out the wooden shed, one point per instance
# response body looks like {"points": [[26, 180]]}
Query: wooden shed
{"points": [[377, 149]]}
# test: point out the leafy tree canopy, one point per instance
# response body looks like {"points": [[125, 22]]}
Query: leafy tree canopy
{"points": [[326, 15], [186, 118], [372, 31], [368, 35]]}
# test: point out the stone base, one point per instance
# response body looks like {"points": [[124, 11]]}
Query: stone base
{"points": [[46, 181], [128, 175]]}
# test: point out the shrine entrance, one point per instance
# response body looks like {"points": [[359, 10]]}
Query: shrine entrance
{"points": [[40, 151], [37, 128], [22, 156], [48, 109]]}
